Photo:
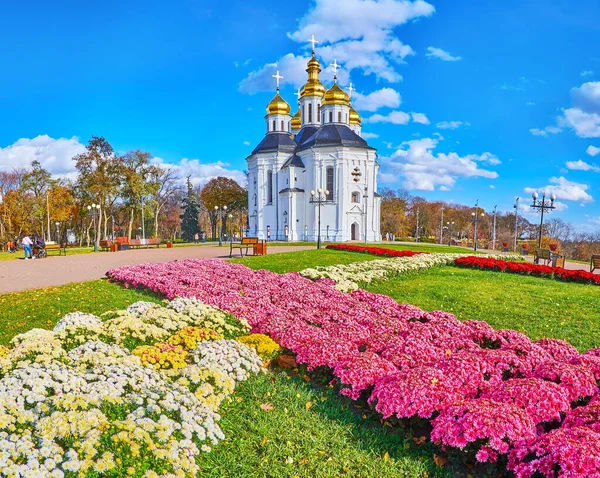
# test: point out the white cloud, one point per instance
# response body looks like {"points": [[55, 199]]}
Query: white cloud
{"points": [[584, 115], [439, 136], [530, 103], [388, 144], [587, 73], [385, 97], [53, 154], [394, 117], [564, 189], [246, 143], [441, 54], [582, 166], [359, 36], [291, 67], [544, 132], [200, 172], [420, 118], [492, 186], [452, 124], [369, 135], [424, 170], [592, 150]]}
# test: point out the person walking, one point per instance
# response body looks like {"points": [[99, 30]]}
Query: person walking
{"points": [[27, 243]]}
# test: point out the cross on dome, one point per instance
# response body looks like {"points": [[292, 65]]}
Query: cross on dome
{"points": [[313, 41], [351, 89], [335, 68], [277, 77]]}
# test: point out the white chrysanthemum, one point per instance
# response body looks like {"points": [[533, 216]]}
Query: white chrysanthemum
{"points": [[78, 319], [138, 308]]}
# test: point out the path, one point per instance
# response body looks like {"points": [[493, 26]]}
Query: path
{"points": [[21, 275]]}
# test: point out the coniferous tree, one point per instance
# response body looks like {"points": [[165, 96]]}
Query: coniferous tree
{"points": [[189, 218]]}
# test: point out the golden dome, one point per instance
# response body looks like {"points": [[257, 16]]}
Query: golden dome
{"points": [[278, 106], [313, 86], [354, 117], [336, 96], [296, 121]]}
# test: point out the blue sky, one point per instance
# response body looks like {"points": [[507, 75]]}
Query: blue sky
{"points": [[464, 100]]}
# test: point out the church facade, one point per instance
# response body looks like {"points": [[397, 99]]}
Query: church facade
{"points": [[318, 150]]}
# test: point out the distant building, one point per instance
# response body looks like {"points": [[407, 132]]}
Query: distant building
{"points": [[319, 147]]}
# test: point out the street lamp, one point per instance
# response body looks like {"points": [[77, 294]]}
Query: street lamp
{"points": [[543, 205], [494, 231], [319, 198], [230, 217], [57, 224], [516, 207], [356, 175], [448, 226], [94, 211], [220, 210], [476, 217]]}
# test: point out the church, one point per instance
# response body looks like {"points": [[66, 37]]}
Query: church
{"points": [[313, 174]]}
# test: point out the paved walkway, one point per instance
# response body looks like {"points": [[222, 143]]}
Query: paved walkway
{"points": [[18, 275]]}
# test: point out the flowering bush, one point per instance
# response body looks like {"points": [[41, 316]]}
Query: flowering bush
{"points": [[378, 251], [96, 409], [493, 264], [347, 277], [264, 345], [485, 390], [189, 337]]}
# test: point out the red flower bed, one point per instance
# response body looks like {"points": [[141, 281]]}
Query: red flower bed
{"points": [[485, 263], [377, 251]]}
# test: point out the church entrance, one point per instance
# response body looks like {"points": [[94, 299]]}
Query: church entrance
{"points": [[354, 232]]}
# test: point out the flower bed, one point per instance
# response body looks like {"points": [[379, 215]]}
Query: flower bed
{"points": [[377, 251], [349, 277], [133, 393], [478, 386], [493, 264]]}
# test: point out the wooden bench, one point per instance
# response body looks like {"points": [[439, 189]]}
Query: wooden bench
{"points": [[594, 262], [247, 243], [543, 254], [61, 249], [105, 245], [153, 241]]}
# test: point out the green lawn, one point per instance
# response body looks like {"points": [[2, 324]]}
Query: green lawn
{"points": [[309, 432]]}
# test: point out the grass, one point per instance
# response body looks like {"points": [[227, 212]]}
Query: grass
{"points": [[42, 308], [7, 256], [534, 306], [310, 430]]}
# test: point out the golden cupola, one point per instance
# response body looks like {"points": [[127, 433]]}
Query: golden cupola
{"points": [[336, 96], [296, 121], [354, 117], [313, 86], [278, 106]]}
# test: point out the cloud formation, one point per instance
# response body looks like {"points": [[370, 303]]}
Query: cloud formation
{"points": [[564, 189], [369, 135], [433, 52], [584, 115], [424, 170], [451, 124], [546, 131], [420, 118], [592, 150], [383, 98], [582, 166], [360, 36], [200, 172], [394, 117]]}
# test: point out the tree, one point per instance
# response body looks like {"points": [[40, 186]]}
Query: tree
{"points": [[222, 191], [166, 187], [38, 182], [138, 182], [189, 217]]}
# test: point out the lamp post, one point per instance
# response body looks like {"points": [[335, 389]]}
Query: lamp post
{"points": [[94, 211], [356, 175], [57, 224], [220, 211], [476, 217], [494, 231], [543, 205], [230, 217], [516, 206], [319, 198], [442, 227], [448, 226]]}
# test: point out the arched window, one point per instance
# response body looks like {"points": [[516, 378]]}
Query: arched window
{"points": [[346, 119], [282, 128], [310, 112], [303, 117], [289, 127], [355, 197], [274, 127], [329, 182], [269, 187], [331, 116], [339, 116], [323, 118], [319, 115]]}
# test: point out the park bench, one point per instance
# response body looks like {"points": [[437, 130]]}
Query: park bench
{"points": [[594, 262], [152, 241], [122, 243], [247, 243], [60, 249], [105, 245], [542, 254]]}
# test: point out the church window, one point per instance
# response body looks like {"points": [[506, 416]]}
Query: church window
{"points": [[269, 187], [323, 118], [355, 197], [329, 185], [319, 111], [310, 112], [346, 119], [273, 125], [289, 127], [331, 116], [339, 116], [303, 117], [282, 128]]}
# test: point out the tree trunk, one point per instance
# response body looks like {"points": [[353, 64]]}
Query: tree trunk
{"points": [[130, 224], [88, 234]]}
